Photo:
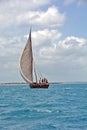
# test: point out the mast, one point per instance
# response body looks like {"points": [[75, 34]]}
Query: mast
{"points": [[35, 74]]}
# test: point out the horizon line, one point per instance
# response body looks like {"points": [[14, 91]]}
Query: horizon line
{"points": [[53, 82]]}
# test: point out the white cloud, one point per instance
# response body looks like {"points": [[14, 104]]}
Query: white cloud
{"points": [[21, 5], [10, 46], [67, 59], [46, 45], [51, 17], [68, 55], [10, 11], [71, 49], [44, 37], [72, 41]]}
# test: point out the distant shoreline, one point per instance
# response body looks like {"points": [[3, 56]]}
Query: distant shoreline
{"points": [[13, 83], [22, 83]]}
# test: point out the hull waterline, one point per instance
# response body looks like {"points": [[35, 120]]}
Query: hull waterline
{"points": [[38, 85]]}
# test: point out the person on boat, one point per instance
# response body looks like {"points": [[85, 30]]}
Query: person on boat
{"points": [[40, 81], [44, 80]]}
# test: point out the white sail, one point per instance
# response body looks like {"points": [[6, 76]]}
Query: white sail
{"points": [[26, 62]]}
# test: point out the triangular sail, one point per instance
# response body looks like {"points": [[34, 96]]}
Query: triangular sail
{"points": [[26, 61], [37, 74]]}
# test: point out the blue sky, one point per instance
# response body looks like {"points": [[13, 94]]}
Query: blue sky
{"points": [[59, 38]]}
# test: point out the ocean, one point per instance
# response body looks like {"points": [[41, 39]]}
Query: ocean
{"points": [[60, 107]]}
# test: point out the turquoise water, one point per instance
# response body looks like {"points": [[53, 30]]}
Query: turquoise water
{"points": [[60, 107]]}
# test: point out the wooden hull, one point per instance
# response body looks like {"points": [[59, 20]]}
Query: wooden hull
{"points": [[39, 85]]}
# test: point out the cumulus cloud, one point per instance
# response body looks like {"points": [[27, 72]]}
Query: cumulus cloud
{"points": [[19, 5], [44, 37], [11, 11], [70, 49], [59, 56], [47, 46], [51, 17], [10, 50], [10, 46], [66, 59]]}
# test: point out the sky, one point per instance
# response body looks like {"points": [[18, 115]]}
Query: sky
{"points": [[59, 37]]}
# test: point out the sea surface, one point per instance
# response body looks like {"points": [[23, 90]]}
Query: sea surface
{"points": [[60, 107]]}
